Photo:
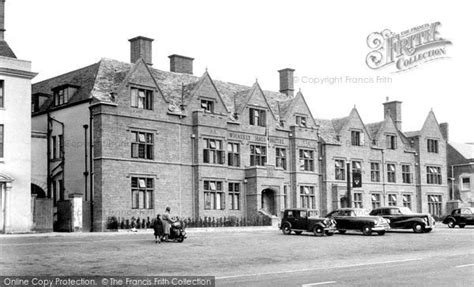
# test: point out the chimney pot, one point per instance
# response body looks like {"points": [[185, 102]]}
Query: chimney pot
{"points": [[141, 47], [181, 64], [287, 82]]}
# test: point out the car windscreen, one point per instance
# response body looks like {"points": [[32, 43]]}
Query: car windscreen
{"points": [[360, 212]]}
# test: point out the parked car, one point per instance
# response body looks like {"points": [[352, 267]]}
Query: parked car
{"points": [[301, 219], [358, 219], [461, 217], [404, 218]]}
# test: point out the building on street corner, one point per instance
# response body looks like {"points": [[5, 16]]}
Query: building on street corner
{"points": [[129, 139], [15, 137]]}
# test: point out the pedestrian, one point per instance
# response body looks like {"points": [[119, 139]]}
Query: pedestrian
{"points": [[167, 221], [158, 228], [133, 224]]}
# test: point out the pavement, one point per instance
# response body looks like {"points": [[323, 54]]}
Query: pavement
{"points": [[142, 231]]}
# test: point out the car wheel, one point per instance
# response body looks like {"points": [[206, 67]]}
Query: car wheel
{"points": [[298, 232], [381, 232], [286, 229], [318, 231], [417, 228], [329, 233], [462, 225], [367, 230], [451, 224], [428, 230], [341, 231]]}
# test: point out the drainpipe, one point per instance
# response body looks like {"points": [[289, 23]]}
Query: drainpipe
{"points": [[86, 173], [91, 181], [193, 186], [48, 154]]}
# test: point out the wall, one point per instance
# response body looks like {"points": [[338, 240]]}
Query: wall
{"points": [[16, 163]]}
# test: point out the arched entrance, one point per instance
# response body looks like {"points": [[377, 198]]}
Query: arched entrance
{"points": [[268, 201], [38, 191]]}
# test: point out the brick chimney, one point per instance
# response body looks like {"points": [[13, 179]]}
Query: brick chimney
{"points": [[394, 109], [2, 20], [287, 82], [140, 47], [181, 64], [444, 127]]}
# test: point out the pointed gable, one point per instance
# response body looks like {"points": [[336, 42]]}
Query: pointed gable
{"points": [[203, 90], [296, 106], [253, 97], [345, 126], [380, 130], [431, 127]]}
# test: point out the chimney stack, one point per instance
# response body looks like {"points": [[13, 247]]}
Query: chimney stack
{"points": [[444, 127], [2, 20], [287, 82], [140, 47], [181, 64], [394, 109]]}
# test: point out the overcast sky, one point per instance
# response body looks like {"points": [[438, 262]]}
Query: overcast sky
{"points": [[241, 41]]}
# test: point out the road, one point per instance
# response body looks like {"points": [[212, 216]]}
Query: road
{"points": [[444, 257]]}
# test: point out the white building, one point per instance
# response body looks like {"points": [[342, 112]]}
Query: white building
{"points": [[15, 138]]}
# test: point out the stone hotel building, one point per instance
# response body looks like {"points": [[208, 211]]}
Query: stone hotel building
{"points": [[131, 139]]}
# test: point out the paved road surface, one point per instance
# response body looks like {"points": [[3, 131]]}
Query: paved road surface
{"points": [[444, 257]]}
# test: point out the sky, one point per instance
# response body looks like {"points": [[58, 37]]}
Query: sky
{"points": [[244, 41]]}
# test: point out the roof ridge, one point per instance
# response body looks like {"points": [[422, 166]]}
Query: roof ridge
{"points": [[68, 73]]}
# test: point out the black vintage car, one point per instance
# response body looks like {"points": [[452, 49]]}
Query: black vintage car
{"points": [[360, 220], [461, 217], [404, 218], [300, 219]]}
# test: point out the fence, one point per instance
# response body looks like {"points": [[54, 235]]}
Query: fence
{"points": [[114, 223]]}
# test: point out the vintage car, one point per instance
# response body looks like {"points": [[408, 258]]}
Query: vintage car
{"points": [[301, 219], [358, 219], [404, 218], [461, 217]]}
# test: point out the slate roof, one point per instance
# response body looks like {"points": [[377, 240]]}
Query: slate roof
{"points": [[326, 131], [339, 123], [5, 50], [374, 128], [466, 150], [412, 134], [99, 80]]}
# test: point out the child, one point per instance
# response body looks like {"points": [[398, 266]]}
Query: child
{"points": [[158, 228]]}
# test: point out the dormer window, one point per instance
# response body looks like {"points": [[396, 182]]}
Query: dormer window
{"points": [[257, 117], [63, 94], [391, 141], [141, 98], [301, 121], [207, 106], [357, 138]]}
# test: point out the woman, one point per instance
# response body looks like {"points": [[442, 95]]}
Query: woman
{"points": [[167, 221], [158, 228]]}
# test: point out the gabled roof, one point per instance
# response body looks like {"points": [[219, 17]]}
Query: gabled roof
{"points": [[338, 124], [99, 80], [5, 50], [412, 134], [326, 131], [466, 150], [374, 129]]}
